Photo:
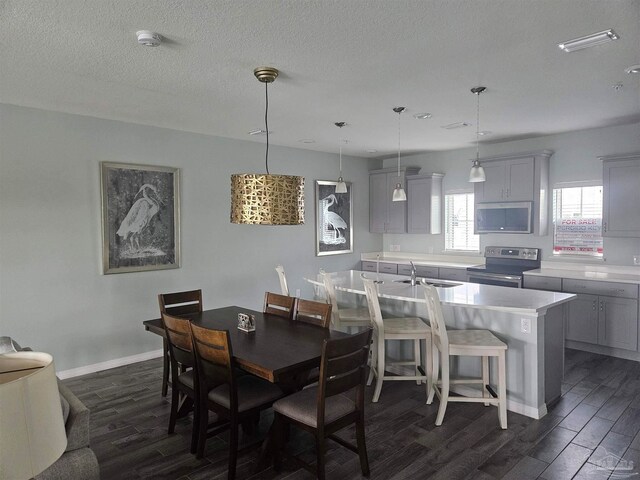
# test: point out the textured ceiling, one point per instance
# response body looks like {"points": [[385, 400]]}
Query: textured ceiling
{"points": [[349, 60]]}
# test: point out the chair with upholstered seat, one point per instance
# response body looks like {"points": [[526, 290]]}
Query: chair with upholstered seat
{"points": [[335, 403], [476, 343], [283, 280], [404, 328], [176, 304], [344, 317], [280, 305], [314, 313], [183, 385], [233, 398]]}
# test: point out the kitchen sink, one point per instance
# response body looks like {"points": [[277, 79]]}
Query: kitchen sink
{"points": [[433, 284]]}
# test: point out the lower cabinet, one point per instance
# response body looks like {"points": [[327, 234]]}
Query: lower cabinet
{"points": [[456, 274], [602, 320]]}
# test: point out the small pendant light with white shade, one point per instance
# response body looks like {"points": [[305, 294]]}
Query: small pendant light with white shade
{"points": [[341, 187], [399, 194], [477, 172]]}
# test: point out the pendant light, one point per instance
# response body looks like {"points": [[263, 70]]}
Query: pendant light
{"points": [[341, 187], [477, 172], [399, 194], [267, 199]]}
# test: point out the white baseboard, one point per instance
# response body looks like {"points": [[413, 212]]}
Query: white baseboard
{"points": [[116, 362]]}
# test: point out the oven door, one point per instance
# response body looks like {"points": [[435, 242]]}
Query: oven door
{"points": [[500, 280]]}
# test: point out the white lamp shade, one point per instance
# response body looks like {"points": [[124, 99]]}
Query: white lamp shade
{"points": [[341, 186], [399, 194], [477, 174], [32, 433]]}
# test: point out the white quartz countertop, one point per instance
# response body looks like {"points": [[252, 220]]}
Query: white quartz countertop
{"points": [[430, 260], [581, 274], [473, 295]]}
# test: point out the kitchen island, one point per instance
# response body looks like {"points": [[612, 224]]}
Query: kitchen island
{"points": [[530, 322]]}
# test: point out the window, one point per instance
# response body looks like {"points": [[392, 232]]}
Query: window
{"points": [[577, 221], [458, 223]]}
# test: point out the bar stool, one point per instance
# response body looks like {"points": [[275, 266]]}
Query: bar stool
{"points": [[473, 343], [403, 328], [344, 317], [283, 280]]}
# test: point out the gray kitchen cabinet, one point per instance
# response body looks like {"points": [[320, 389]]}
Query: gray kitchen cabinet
{"points": [[385, 267], [522, 177], [552, 284], [507, 180], [424, 203], [618, 322], [605, 313], [456, 274], [385, 215], [582, 320], [423, 271], [621, 195]]}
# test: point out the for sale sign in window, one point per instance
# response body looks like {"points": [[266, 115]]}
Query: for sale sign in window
{"points": [[578, 235]]}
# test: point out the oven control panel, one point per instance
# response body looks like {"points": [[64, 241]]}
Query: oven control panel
{"points": [[511, 252]]}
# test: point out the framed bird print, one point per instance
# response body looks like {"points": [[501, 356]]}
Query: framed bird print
{"points": [[334, 219], [140, 217]]}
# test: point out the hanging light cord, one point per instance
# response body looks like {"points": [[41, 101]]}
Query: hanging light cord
{"points": [[399, 143], [478, 128], [266, 123], [341, 160]]}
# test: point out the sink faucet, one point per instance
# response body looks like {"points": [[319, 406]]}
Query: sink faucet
{"points": [[413, 274]]}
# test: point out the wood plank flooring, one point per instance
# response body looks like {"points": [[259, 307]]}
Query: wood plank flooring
{"points": [[596, 424]]}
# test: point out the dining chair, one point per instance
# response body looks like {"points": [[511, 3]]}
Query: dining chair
{"points": [[337, 401], [233, 398], [283, 280], [344, 317], [183, 385], [176, 304], [404, 328], [314, 313], [476, 343], [280, 305]]}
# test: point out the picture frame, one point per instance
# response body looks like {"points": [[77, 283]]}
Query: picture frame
{"points": [[140, 217], [334, 219]]}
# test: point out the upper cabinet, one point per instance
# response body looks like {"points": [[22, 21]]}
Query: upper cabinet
{"points": [[424, 203], [522, 177], [621, 195], [385, 215]]}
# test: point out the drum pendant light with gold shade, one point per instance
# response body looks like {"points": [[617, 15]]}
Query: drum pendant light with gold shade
{"points": [[266, 199]]}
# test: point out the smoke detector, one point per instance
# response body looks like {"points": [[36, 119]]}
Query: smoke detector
{"points": [[149, 39]]}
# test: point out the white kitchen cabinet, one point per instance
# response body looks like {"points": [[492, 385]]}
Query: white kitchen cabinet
{"points": [[522, 177], [424, 203], [385, 215], [621, 195]]}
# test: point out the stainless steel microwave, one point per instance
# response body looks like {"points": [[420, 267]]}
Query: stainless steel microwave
{"points": [[509, 217]]}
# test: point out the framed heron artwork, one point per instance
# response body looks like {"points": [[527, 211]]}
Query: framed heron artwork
{"points": [[334, 219], [140, 217]]}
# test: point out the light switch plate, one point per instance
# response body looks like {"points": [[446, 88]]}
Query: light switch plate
{"points": [[395, 248], [636, 259]]}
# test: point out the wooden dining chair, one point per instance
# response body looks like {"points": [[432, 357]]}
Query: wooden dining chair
{"points": [[473, 343], [176, 304], [280, 305], [283, 280], [314, 313], [336, 402], [183, 385], [402, 328], [233, 398]]}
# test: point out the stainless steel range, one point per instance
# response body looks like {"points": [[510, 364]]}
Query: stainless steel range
{"points": [[504, 266]]}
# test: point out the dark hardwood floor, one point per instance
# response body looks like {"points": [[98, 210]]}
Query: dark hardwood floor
{"points": [[595, 424]]}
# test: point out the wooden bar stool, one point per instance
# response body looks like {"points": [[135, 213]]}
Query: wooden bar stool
{"points": [[403, 328], [473, 343]]}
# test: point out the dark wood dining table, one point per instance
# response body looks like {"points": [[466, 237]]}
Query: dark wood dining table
{"points": [[277, 350]]}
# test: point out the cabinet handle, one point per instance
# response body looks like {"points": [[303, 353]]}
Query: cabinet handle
{"points": [[604, 226], [508, 192], [502, 193], [594, 305], [601, 305]]}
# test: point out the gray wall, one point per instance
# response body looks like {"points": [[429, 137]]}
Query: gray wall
{"points": [[575, 159], [52, 294]]}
